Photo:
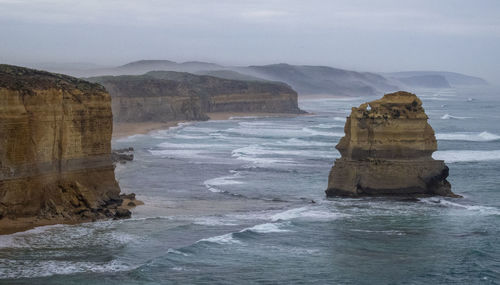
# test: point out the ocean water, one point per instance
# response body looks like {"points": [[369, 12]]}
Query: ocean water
{"points": [[231, 202]]}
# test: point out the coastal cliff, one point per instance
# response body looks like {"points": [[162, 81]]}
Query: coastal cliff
{"points": [[55, 162], [162, 96], [387, 150]]}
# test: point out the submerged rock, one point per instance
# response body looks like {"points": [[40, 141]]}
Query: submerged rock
{"points": [[122, 155], [387, 150]]}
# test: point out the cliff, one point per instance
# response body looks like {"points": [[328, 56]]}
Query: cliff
{"points": [[55, 163], [167, 96], [305, 79], [387, 150]]}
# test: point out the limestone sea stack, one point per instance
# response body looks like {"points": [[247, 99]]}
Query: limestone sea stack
{"points": [[387, 150], [55, 145]]}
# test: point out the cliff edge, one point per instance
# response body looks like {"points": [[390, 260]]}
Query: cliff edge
{"points": [[55, 145], [387, 150], [162, 96]]}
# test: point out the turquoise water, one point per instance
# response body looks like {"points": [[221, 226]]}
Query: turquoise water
{"points": [[230, 202]]}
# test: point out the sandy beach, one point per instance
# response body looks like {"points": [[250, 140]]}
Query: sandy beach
{"points": [[121, 130]]}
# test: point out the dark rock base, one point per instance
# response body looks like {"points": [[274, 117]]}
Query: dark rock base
{"points": [[424, 177]]}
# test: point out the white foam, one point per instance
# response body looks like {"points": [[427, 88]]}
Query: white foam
{"points": [[171, 250], [169, 145], [199, 129], [451, 156], [260, 124], [17, 240], [253, 150], [306, 213], [483, 210], [328, 126], [268, 132], [42, 268], [191, 137], [388, 232], [214, 189], [215, 221], [301, 142], [264, 161], [340, 119], [267, 228], [320, 133], [225, 180], [468, 136], [448, 117], [222, 239], [250, 153]]}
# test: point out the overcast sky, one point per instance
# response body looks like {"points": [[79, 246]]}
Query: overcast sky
{"points": [[385, 35]]}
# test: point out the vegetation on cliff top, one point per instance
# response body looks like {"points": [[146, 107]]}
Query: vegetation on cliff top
{"points": [[21, 78], [201, 85]]}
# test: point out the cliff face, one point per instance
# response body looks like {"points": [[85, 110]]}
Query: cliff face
{"points": [[167, 96], [55, 134], [387, 150]]}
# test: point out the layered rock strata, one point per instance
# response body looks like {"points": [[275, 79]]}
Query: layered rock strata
{"points": [[387, 150], [162, 96], [55, 145]]}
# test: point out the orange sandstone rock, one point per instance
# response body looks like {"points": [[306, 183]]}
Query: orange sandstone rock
{"points": [[55, 144], [387, 150]]}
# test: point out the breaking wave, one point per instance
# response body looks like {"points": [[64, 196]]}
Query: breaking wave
{"points": [[448, 117], [451, 156], [483, 210], [468, 136]]}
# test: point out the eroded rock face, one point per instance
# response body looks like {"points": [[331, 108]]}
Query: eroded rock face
{"points": [[162, 96], [387, 150], [55, 134]]}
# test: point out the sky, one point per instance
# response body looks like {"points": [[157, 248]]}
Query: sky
{"points": [[363, 35]]}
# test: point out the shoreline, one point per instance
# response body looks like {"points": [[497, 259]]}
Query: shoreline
{"points": [[123, 130], [10, 226]]}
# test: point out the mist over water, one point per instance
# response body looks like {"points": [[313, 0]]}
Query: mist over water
{"points": [[230, 202]]}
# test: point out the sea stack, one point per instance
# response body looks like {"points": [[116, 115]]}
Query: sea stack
{"points": [[387, 150], [55, 150]]}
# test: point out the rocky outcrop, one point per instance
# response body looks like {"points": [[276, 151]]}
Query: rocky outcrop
{"points": [[122, 155], [162, 96], [55, 162], [387, 150]]}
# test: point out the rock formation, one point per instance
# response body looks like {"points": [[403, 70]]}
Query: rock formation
{"points": [[162, 96], [387, 150], [122, 155], [55, 144]]}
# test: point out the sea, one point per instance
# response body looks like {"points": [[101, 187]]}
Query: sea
{"points": [[241, 201]]}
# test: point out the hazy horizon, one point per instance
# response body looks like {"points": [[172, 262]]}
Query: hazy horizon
{"points": [[387, 36]]}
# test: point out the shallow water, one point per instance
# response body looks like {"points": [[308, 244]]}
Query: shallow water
{"points": [[229, 202]]}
